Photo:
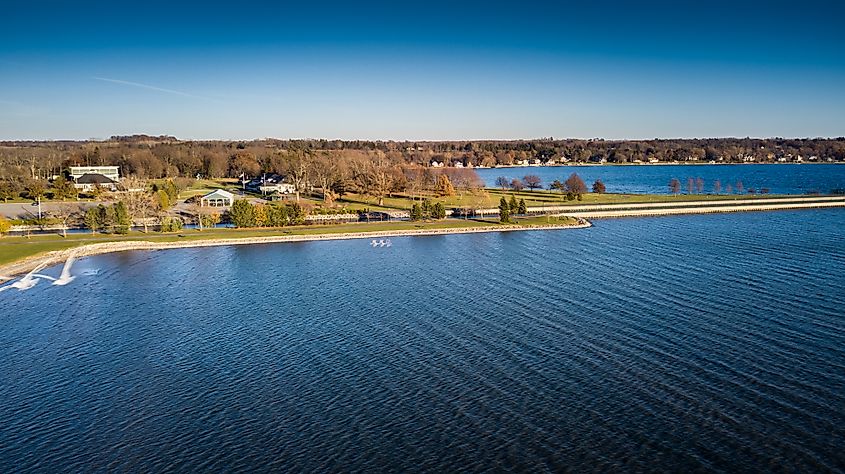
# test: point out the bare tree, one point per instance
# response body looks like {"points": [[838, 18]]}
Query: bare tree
{"points": [[296, 167], [141, 207], [502, 182], [66, 213], [675, 186], [532, 181]]}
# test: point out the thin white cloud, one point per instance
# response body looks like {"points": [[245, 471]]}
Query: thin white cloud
{"points": [[149, 87]]}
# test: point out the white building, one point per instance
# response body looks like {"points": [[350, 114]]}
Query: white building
{"points": [[281, 188], [90, 181], [110, 172], [217, 198]]}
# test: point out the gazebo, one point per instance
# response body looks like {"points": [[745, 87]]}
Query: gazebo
{"points": [[217, 198]]}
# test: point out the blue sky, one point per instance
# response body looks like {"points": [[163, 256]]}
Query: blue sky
{"points": [[421, 70]]}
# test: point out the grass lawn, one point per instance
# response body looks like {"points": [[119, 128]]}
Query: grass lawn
{"points": [[489, 198]]}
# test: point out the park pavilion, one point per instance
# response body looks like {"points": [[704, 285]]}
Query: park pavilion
{"points": [[217, 198]]}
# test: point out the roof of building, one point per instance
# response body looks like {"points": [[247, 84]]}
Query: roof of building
{"points": [[94, 178], [219, 194]]}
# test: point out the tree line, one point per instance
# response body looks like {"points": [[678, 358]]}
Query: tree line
{"points": [[166, 157]]}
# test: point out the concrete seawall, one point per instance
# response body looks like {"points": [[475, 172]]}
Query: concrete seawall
{"points": [[666, 211]]}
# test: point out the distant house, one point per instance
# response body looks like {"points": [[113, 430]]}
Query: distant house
{"points": [[436, 164], [217, 198], [88, 182], [110, 172], [270, 184]]}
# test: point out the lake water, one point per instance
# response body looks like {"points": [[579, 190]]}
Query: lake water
{"points": [[712, 342], [649, 179]]}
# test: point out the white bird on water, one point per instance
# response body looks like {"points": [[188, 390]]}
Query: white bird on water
{"points": [[380, 243]]}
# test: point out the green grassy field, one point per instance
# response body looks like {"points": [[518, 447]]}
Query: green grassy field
{"points": [[490, 199]]}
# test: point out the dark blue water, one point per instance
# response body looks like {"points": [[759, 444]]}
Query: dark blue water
{"points": [[646, 179], [710, 342]]}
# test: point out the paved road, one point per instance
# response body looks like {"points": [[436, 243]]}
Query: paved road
{"points": [[16, 210]]}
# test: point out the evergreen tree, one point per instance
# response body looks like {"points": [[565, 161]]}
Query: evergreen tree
{"points": [[439, 211], [122, 220], [416, 212], [108, 218], [92, 219], [425, 209], [242, 213], [504, 211], [522, 209], [513, 204]]}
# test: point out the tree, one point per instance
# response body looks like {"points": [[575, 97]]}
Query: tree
{"points": [[513, 204], [296, 167], [739, 187], [210, 219], [9, 189], [140, 206], [690, 185], [674, 186], [522, 208], [296, 214], [5, 226], [328, 171], [277, 215], [502, 182], [575, 186], [416, 212], [92, 219], [162, 200], [63, 189], [532, 181], [65, 213], [34, 189], [504, 211], [242, 213], [444, 186], [108, 218], [556, 185], [717, 187], [438, 211], [598, 187], [171, 224], [699, 185], [260, 215], [517, 184], [123, 221]]}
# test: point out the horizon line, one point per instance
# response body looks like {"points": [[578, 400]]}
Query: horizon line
{"points": [[425, 140]]}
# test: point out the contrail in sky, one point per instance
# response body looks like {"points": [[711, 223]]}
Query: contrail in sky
{"points": [[149, 87]]}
